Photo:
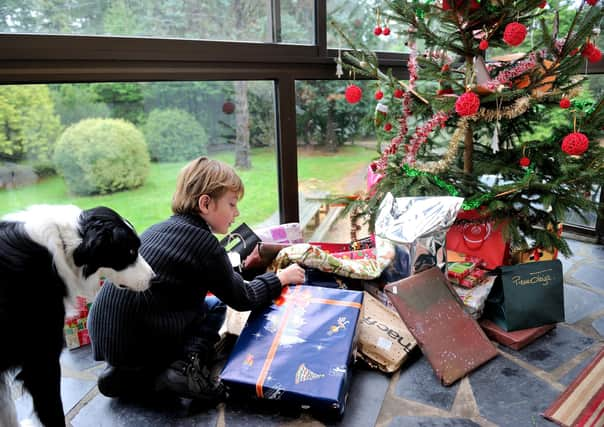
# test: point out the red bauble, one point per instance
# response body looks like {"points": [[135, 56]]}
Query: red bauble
{"points": [[575, 144], [467, 104], [386, 31], [588, 49], [388, 127], [514, 33], [353, 94], [543, 4], [377, 30], [460, 4], [595, 55], [564, 103], [483, 45], [525, 162], [592, 2], [591, 52], [228, 107], [379, 95], [398, 93]]}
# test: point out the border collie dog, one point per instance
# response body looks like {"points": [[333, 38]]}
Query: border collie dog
{"points": [[48, 255]]}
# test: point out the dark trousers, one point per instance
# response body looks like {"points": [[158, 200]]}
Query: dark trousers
{"points": [[204, 334]]}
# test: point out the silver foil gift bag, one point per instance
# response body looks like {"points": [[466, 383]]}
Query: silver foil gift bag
{"points": [[415, 228]]}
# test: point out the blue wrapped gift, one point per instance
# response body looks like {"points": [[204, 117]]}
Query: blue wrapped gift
{"points": [[298, 350]]}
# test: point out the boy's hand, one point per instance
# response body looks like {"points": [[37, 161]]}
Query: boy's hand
{"points": [[292, 275]]}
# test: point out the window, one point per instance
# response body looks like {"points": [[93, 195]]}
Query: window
{"points": [[173, 121]]}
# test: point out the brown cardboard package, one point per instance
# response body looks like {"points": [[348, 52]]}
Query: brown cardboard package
{"points": [[384, 340]]}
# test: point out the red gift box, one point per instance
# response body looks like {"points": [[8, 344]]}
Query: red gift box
{"points": [[476, 235]]}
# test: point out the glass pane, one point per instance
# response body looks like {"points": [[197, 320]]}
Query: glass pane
{"points": [[241, 20], [357, 21], [336, 143], [61, 143], [298, 21]]}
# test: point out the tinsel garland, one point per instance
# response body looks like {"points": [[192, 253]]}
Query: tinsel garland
{"points": [[473, 202], [421, 135], [449, 156], [519, 107]]}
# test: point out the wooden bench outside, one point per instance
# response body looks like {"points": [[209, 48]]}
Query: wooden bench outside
{"points": [[310, 208], [321, 231]]}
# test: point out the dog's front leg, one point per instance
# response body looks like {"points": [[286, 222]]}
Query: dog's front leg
{"points": [[43, 381]]}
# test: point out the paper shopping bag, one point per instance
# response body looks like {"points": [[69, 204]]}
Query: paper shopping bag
{"points": [[527, 295]]}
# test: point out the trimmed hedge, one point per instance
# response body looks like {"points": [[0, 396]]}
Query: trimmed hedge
{"points": [[100, 156], [174, 135]]}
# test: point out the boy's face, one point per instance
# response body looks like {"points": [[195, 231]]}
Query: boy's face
{"points": [[221, 213]]}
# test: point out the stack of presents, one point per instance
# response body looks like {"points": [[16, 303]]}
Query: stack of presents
{"points": [[76, 327], [432, 276]]}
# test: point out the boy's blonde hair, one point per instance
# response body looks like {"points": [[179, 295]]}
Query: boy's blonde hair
{"points": [[203, 176]]}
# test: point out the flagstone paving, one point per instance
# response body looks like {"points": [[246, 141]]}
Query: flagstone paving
{"points": [[511, 390]]}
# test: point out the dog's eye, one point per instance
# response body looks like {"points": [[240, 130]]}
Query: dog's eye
{"points": [[132, 252]]}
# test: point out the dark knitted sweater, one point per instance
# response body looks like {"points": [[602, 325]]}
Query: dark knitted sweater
{"points": [[150, 328]]}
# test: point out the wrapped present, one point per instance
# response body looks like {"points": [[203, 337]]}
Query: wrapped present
{"points": [[75, 329], [418, 226], [457, 271], [384, 340], [312, 256], [474, 298], [356, 245], [283, 233], [70, 331], [451, 340], [299, 350], [517, 339], [358, 254]]}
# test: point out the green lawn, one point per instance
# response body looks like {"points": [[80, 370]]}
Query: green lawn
{"points": [[151, 203]]}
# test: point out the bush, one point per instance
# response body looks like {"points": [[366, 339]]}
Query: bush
{"points": [[174, 135], [99, 156]]}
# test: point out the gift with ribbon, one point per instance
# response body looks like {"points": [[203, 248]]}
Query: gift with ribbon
{"points": [[299, 350]]}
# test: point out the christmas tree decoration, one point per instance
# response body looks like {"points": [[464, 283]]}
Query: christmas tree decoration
{"points": [[514, 33], [464, 121], [388, 127], [525, 162], [228, 107], [592, 2], [378, 95], [381, 112], [467, 104], [377, 31], [353, 94], [575, 144], [386, 31]]}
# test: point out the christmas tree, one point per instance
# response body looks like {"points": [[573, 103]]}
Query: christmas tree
{"points": [[515, 134]]}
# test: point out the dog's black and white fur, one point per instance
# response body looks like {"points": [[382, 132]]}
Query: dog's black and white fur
{"points": [[49, 254]]}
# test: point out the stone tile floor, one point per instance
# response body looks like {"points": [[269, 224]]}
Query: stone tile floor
{"points": [[511, 390]]}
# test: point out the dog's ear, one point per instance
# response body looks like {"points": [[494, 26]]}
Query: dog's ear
{"points": [[79, 255], [92, 239]]}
